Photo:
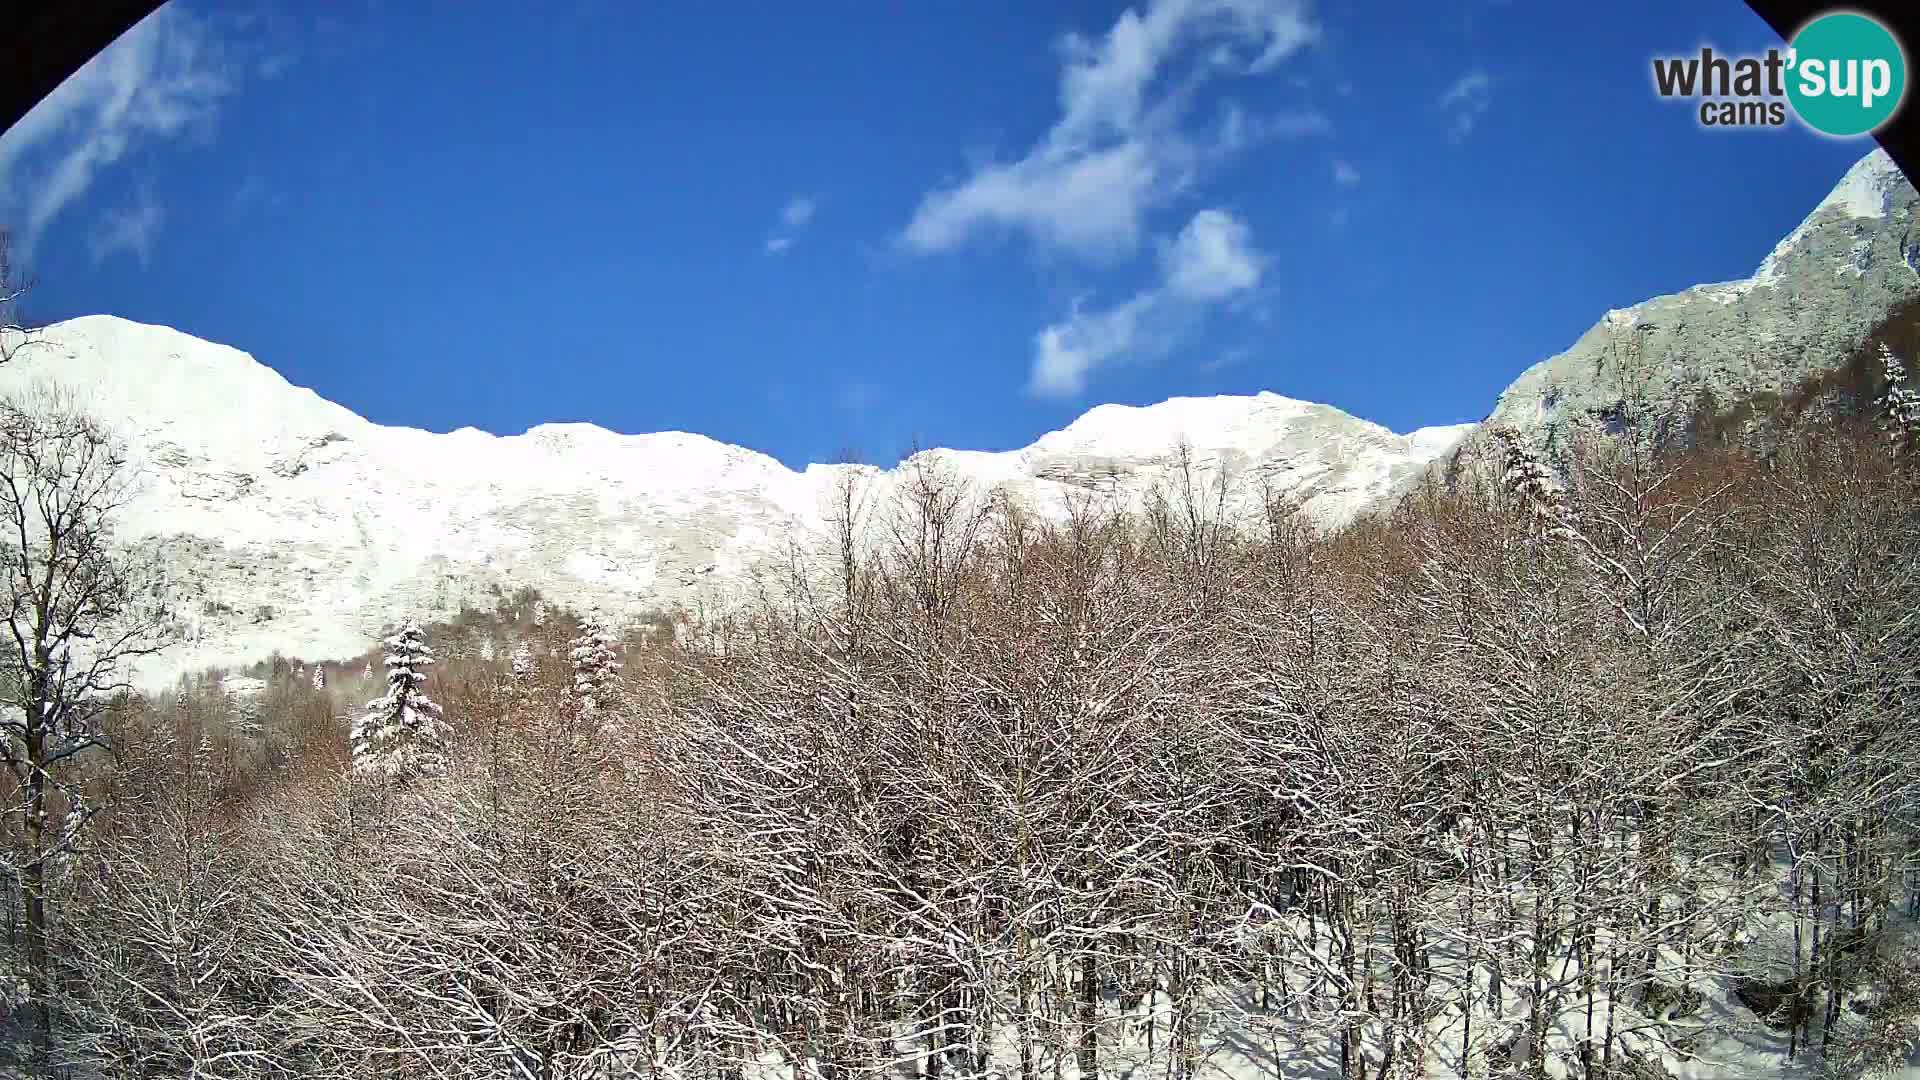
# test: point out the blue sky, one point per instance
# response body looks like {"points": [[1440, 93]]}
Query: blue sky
{"points": [[817, 228]]}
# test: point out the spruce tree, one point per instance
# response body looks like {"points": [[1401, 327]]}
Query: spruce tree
{"points": [[1900, 405], [402, 735], [1524, 474], [596, 670]]}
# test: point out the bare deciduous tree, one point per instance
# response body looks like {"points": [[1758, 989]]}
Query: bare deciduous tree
{"points": [[14, 284], [80, 609]]}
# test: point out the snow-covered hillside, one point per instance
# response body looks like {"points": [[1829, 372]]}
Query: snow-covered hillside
{"points": [[1810, 302], [291, 523]]}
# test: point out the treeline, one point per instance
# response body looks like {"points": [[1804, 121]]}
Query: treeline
{"points": [[1539, 775]]}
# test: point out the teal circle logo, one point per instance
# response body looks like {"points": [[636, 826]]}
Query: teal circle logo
{"points": [[1846, 74]]}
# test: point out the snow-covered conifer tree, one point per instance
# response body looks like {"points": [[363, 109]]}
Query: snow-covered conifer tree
{"points": [[522, 661], [402, 735], [246, 710], [1900, 405], [319, 677], [1524, 474], [595, 670]]}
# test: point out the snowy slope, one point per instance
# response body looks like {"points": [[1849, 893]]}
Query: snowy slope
{"points": [[291, 523], [1809, 303]]}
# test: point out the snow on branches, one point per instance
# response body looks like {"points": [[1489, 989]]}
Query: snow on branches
{"points": [[1900, 405], [1523, 473], [596, 670], [402, 735]]}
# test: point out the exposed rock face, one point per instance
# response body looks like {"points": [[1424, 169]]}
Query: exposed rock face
{"points": [[290, 523], [1808, 305]]}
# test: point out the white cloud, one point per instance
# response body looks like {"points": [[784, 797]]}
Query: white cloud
{"points": [[1067, 352], [1118, 148], [1211, 261], [1087, 201], [162, 79], [131, 230], [1345, 175], [1466, 101], [1212, 258], [794, 217]]}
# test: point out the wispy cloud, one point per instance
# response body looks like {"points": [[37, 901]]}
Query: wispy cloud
{"points": [[1230, 357], [267, 40], [162, 80], [1122, 144], [131, 230], [274, 65], [1240, 130], [1211, 261], [254, 194], [798, 211], [1345, 179], [793, 218], [1465, 102], [1067, 352]]}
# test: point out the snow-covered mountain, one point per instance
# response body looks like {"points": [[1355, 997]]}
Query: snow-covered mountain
{"points": [[291, 523], [1808, 305]]}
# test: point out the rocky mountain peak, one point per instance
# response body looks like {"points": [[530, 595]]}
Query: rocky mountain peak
{"points": [[1806, 307]]}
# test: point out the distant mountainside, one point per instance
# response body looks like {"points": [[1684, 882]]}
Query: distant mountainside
{"points": [[289, 523], [1820, 292]]}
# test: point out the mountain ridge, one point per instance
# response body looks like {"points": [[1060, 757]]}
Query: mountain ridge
{"points": [[82, 323], [290, 523], [1814, 297]]}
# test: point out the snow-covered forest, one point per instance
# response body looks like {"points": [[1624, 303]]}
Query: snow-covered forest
{"points": [[1603, 771]]}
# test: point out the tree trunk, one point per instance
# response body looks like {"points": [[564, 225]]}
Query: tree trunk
{"points": [[33, 893], [1089, 1019]]}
